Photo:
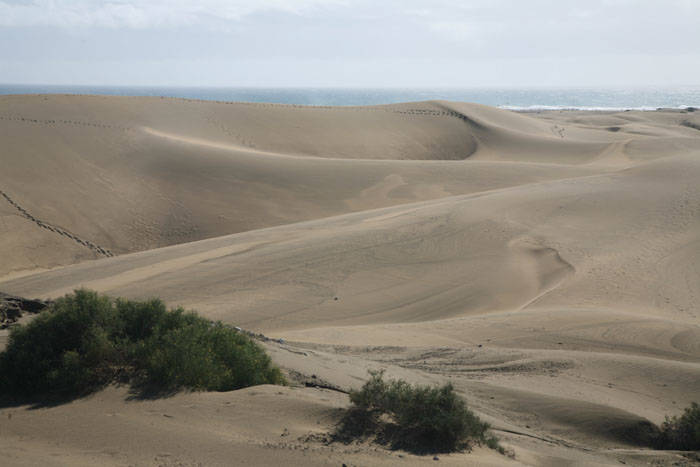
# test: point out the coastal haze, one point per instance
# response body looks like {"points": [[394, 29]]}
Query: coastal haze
{"points": [[545, 264], [350, 43]]}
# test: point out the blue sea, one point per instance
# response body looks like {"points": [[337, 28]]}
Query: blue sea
{"points": [[649, 98]]}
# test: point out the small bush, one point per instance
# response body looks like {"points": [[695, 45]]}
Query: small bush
{"points": [[85, 341], [681, 433], [415, 418]]}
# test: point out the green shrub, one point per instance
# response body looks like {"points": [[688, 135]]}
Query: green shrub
{"points": [[416, 418], [85, 341], [681, 433]]}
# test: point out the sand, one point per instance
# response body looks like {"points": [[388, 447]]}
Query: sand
{"points": [[547, 264]]}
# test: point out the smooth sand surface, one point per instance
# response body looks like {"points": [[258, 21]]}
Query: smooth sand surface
{"points": [[548, 265]]}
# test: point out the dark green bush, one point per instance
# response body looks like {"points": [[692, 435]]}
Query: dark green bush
{"points": [[85, 341], [681, 433], [416, 418]]}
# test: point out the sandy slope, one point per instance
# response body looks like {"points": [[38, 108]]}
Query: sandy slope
{"points": [[124, 174], [548, 265]]}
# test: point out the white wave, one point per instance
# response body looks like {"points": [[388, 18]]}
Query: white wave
{"points": [[539, 108]]}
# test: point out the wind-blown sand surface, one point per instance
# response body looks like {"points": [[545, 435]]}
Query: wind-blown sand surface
{"points": [[548, 265]]}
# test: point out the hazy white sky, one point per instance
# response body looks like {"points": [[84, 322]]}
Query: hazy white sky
{"points": [[350, 42]]}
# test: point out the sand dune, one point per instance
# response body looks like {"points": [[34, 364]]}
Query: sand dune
{"points": [[127, 175], [546, 264]]}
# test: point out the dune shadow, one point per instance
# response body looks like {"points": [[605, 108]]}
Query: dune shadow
{"points": [[138, 390]]}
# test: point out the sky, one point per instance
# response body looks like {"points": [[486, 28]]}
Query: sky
{"points": [[351, 43]]}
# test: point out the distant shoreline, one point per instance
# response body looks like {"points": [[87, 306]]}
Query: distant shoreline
{"points": [[519, 100]]}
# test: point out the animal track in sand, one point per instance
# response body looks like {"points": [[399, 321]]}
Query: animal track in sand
{"points": [[230, 132], [64, 122], [44, 225], [557, 130]]}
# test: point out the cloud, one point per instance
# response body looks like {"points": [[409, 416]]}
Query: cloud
{"points": [[144, 13], [455, 30], [159, 13]]}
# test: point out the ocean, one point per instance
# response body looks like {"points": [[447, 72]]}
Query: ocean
{"points": [[649, 98]]}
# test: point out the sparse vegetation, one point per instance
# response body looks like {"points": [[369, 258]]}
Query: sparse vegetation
{"points": [[85, 341], [690, 124], [412, 417], [681, 433]]}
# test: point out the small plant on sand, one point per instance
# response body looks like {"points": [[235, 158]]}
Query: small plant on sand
{"points": [[415, 418], [85, 341], [681, 433]]}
